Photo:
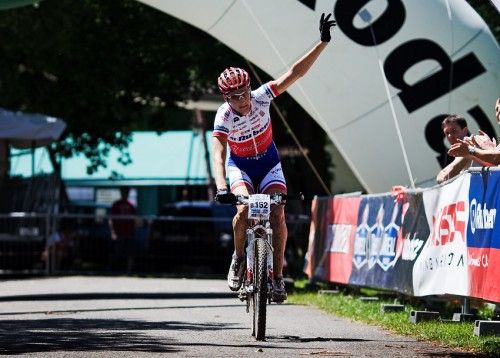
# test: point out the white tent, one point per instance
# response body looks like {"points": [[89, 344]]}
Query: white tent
{"points": [[25, 130]]}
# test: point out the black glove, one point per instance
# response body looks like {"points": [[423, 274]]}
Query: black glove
{"points": [[324, 27], [224, 196]]}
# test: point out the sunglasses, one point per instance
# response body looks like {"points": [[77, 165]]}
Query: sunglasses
{"points": [[238, 96]]}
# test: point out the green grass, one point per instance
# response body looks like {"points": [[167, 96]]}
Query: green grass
{"points": [[451, 334]]}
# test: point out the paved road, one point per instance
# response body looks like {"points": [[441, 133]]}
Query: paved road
{"points": [[107, 316]]}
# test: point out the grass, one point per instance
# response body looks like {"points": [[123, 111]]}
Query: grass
{"points": [[451, 334]]}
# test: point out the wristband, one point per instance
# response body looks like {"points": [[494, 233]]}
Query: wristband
{"points": [[471, 149]]}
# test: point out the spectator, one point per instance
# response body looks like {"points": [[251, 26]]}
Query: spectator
{"points": [[480, 147], [454, 129], [59, 251], [122, 231]]}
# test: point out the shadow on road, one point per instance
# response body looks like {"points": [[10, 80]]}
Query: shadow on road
{"points": [[82, 335], [117, 296], [317, 339], [110, 309]]}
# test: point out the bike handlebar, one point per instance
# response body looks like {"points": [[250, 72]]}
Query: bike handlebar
{"points": [[276, 198]]}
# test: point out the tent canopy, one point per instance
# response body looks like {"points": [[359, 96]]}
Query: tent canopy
{"points": [[170, 158], [22, 130]]}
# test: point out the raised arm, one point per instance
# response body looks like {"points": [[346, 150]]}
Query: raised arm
{"points": [[300, 67]]}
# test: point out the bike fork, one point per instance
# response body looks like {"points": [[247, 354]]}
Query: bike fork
{"points": [[270, 255]]}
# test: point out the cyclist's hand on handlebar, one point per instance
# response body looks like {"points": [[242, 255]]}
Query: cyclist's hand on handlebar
{"points": [[224, 196], [324, 27]]}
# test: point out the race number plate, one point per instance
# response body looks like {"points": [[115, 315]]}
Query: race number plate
{"points": [[259, 206]]}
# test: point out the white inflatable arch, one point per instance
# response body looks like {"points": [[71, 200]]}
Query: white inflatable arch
{"points": [[395, 68]]}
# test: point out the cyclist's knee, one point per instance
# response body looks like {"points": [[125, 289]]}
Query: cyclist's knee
{"points": [[277, 213], [241, 214]]}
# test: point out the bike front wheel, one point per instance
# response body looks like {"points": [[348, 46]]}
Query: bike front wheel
{"points": [[260, 287]]}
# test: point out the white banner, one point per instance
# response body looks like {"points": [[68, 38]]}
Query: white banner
{"points": [[441, 267]]}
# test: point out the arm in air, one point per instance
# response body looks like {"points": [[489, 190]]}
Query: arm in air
{"points": [[301, 66]]}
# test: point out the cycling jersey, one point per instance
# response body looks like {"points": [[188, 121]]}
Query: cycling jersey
{"points": [[254, 159], [251, 134]]}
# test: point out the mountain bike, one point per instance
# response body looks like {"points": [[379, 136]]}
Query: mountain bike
{"points": [[258, 281]]}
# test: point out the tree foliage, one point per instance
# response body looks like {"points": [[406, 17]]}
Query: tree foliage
{"points": [[103, 66]]}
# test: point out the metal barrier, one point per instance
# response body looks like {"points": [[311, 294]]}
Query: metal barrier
{"points": [[23, 237], [32, 243]]}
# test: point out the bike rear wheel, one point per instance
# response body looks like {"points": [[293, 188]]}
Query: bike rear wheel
{"points": [[260, 290]]}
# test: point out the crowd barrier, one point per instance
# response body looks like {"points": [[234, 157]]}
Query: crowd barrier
{"points": [[48, 244], [436, 241]]}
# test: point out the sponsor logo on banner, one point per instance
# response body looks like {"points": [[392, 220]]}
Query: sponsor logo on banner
{"points": [[360, 256], [480, 260], [339, 237], [481, 218], [448, 226], [376, 244], [411, 247], [375, 239], [481, 225], [387, 254], [441, 267], [483, 235]]}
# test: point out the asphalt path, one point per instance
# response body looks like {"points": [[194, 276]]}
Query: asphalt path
{"points": [[129, 317]]}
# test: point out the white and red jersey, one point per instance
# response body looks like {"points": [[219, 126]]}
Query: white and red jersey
{"points": [[252, 134]]}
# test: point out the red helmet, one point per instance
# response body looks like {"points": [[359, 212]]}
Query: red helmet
{"points": [[233, 78]]}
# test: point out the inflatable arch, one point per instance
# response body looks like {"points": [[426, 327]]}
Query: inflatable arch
{"points": [[395, 68]]}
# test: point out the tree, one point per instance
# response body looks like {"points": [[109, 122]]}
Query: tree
{"points": [[103, 66]]}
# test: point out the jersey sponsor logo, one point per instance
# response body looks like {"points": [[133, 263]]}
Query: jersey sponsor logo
{"points": [[254, 133], [248, 149], [480, 217], [236, 119], [221, 129]]}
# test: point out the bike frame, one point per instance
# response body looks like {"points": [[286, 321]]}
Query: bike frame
{"points": [[256, 289], [259, 230]]}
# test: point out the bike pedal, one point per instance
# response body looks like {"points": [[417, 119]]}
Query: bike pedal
{"points": [[243, 295]]}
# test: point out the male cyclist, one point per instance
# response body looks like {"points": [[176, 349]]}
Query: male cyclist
{"points": [[243, 123]]}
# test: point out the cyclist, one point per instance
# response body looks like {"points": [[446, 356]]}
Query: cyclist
{"points": [[243, 123]]}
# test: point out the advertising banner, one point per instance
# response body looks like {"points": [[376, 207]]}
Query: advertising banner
{"points": [[340, 237], [483, 235], [376, 241], [315, 263], [439, 241], [441, 267], [413, 236]]}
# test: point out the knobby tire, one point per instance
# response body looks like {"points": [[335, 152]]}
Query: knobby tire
{"points": [[260, 287]]}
